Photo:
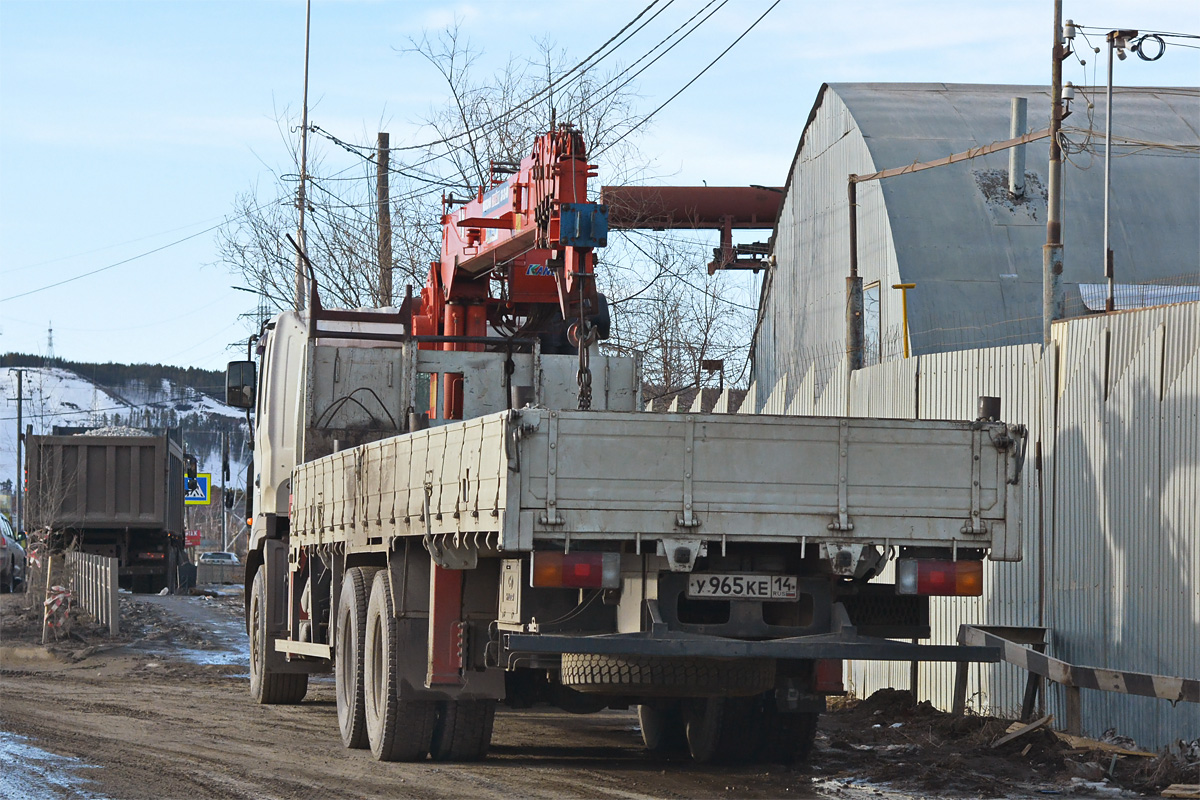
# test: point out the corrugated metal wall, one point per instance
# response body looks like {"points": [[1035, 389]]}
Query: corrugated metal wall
{"points": [[802, 321], [1124, 551], [1111, 519]]}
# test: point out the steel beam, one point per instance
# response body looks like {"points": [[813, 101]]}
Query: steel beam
{"points": [[709, 207], [673, 643]]}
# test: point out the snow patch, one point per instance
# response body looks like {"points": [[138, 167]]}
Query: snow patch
{"points": [[56, 396], [37, 774]]}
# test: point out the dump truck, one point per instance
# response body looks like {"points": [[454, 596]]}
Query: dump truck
{"points": [[462, 502], [120, 496]]}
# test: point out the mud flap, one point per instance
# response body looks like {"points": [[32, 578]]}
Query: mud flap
{"points": [[411, 572], [446, 629], [275, 563]]}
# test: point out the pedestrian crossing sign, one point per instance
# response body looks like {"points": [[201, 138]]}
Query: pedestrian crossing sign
{"points": [[200, 496]]}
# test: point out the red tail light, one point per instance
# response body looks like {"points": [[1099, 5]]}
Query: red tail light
{"points": [[575, 570], [939, 578], [827, 676]]}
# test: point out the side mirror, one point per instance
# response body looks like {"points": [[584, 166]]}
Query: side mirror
{"points": [[240, 384]]}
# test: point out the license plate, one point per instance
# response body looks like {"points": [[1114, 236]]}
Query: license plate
{"points": [[741, 586]]}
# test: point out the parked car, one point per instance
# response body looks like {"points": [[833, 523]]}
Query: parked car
{"points": [[222, 559], [12, 559]]}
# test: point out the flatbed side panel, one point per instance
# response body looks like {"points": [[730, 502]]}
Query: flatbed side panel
{"points": [[366, 496], [763, 477], [608, 475]]}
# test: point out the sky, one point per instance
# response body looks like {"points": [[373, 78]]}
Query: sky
{"points": [[127, 129]]}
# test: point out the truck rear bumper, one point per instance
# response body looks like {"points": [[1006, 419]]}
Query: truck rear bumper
{"points": [[674, 643]]}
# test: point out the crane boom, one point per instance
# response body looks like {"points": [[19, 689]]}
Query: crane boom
{"points": [[519, 259], [524, 243]]}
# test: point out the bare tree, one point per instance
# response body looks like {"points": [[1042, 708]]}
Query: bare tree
{"points": [[51, 483], [667, 307], [340, 231], [499, 118], [664, 303]]}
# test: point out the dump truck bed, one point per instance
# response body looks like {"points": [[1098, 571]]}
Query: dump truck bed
{"points": [[508, 480], [105, 482]]}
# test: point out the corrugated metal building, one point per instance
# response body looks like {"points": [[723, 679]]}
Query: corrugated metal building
{"points": [[1110, 511], [1111, 515], [974, 254]]}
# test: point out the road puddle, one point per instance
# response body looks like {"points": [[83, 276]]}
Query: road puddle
{"points": [[195, 621], [34, 774]]}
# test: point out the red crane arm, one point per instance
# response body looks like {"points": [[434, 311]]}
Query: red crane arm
{"points": [[520, 249], [514, 233]]}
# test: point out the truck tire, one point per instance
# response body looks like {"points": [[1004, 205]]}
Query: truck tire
{"points": [[664, 676], [663, 729], [723, 729], [348, 655], [463, 731], [399, 726], [268, 688], [786, 738]]}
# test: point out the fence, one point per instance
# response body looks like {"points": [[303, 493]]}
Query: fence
{"points": [[93, 581], [219, 573], [1112, 536]]}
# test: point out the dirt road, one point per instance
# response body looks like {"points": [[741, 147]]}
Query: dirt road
{"points": [[167, 714]]}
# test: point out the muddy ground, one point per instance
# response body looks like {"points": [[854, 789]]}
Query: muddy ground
{"points": [[164, 711]]}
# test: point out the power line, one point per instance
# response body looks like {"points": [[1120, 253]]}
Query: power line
{"points": [[707, 292], [1140, 32], [496, 121], [173, 318], [663, 41], [105, 247], [542, 92], [125, 407], [649, 116], [357, 150], [132, 258]]}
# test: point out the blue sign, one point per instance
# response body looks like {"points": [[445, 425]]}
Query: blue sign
{"points": [[200, 496]]}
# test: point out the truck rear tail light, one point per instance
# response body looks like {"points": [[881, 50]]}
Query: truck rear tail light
{"points": [[152, 556], [575, 570], [939, 578], [827, 676]]}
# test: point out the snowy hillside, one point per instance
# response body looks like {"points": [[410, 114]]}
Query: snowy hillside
{"points": [[55, 396]]}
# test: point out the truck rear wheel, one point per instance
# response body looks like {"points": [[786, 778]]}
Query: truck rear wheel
{"points": [[723, 729], [663, 729], [399, 726], [463, 731], [268, 688], [348, 656], [786, 738], [666, 676]]}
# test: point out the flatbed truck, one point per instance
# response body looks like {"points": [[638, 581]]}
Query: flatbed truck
{"points": [[462, 502]]}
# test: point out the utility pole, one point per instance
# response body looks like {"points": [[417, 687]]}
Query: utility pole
{"points": [[224, 475], [854, 286], [1053, 299], [1119, 40], [20, 485], [300, 199], [384, 213]]}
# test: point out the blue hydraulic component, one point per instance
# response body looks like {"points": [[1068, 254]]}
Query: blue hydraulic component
{"points": [[583, 225]]}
